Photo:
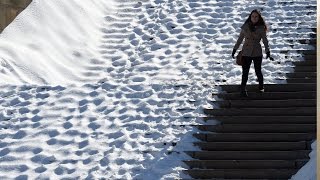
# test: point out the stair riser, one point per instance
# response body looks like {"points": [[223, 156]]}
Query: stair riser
{"points": [[267, 104], [307, 52], [310, 57], [245, 164], [309, 111], [305, 69], [269, 96], [303, 41], [246, 146], [305, 63], [262, 130], [256, 137], [263, 119], [249, 155], [301, 80], [272, 88], [301, 75], [301, 52], [244, 174], [308, 41]]}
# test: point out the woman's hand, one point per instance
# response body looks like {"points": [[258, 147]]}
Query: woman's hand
{"points": [[269, 56], [233, 52]]}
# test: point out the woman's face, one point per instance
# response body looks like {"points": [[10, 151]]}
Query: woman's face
{"points": [[254, 17]]}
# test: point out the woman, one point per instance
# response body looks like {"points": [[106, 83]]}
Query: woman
{"points": [[253, 30]]}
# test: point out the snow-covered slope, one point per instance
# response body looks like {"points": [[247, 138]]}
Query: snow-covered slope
{"points": [[53, 42], [108, 89]]}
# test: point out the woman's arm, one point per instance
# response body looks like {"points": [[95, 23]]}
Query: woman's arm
{"points": [[240, 39], [265, 41]]}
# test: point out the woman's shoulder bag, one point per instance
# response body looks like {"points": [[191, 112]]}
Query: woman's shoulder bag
{"points": [[239, 60]]}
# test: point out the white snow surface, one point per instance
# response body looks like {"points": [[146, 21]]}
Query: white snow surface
{"points": [[107, 89]]}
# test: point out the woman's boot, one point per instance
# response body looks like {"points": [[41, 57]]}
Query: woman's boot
{"points": [[243, 92]]}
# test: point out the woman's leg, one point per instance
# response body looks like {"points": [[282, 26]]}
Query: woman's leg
{"points": [[257, 61], [245, 71]]}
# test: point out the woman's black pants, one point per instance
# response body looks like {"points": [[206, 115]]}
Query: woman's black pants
{"points": [[246, 67]]}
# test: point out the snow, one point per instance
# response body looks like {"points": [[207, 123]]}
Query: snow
{"points": [[51, 42], [108, 89], [308, 171]]}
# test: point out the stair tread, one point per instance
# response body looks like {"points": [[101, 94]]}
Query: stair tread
{"points": [[246, 164], [266, 111], [262, 108], [249, 155], [305, 63], [255, 125], [254, 137], [244, 119], [239, 169], [241, 173], [265, 103], [305, 69], [257, 146], [301, 80], [273, 87], [259, 128], [252, 161], [314, 74], [269, 95], [244, 116], [268, 92], [271, 142], [266, 100]]}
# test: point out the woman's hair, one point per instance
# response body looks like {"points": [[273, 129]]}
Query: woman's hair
{"points": [[260, 22]]}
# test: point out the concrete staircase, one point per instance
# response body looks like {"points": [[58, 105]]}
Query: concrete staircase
{"points": [[265, 136]]}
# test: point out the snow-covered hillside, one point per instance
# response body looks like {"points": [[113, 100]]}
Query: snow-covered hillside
{"points": [[108, 89]]}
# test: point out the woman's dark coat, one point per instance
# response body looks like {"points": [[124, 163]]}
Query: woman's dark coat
{"points": [[252, 46]]}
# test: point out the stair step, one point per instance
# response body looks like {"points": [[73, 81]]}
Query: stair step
{"points": [[310, 57], [263, 119], [301, 80], [259, 128], [266, 103], [293, 35], [255, 137], [270, 95], [305, 63], [273, 87], [253, 146], [291, 111], [302, 75], [246, 164], [305, 69], [307, 52], [302, 27], [249, 155], [289, 5], [242, 173], [303, 41]]}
